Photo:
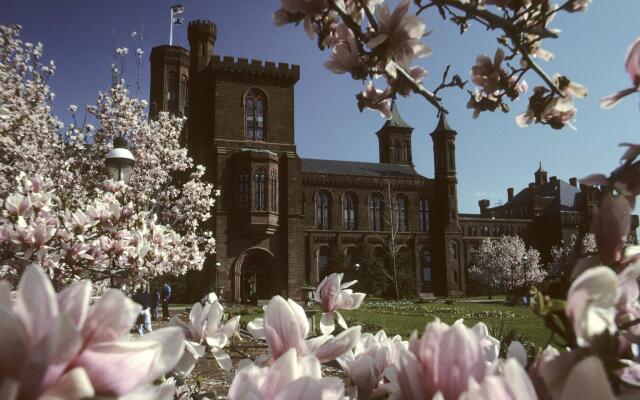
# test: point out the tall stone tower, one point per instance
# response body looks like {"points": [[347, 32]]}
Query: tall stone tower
{"points": [[200, 132], [448, 254], [394, 139], [169, 79]]}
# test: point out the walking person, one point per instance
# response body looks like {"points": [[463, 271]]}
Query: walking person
{"points": [[166, 297], [143, 298], [155, 302]]}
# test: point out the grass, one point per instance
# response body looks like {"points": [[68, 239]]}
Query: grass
{"points": [[404, 317]]}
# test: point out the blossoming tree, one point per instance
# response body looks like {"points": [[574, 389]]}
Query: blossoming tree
{"points": [[60, 210], [508, 265]]}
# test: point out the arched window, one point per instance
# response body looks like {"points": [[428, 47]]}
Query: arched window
{"points": [[322, 261], [400, 219], [426, 265], [350, 257], [259, 184], [255, 110], [323, 210], [244, 191], [173, 92], [375, 212], [424, 215], [274, 191], [454, 250], [349, 212], [407, 152]]}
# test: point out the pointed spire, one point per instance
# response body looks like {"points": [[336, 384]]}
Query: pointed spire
{"points": [[443, 125], [395, 120], [540, 167]]}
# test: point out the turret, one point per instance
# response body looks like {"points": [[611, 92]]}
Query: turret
{"points": [[541, 176], [448, 234], [169, 78], [394, 139], [202, 37]]}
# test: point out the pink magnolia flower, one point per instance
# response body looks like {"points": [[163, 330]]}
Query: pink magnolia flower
{"points": [[591, 303], [56, 345], [290, 377], [443, 361], [285, 326], [345, 56], [333, 296], [632, 65], [550, 109], [399, 34], [375, 99], [366, 363], [206, 326], [512, 383]]}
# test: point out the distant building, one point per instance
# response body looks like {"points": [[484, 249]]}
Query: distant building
{"points": [[280, 217], [545, 213]]}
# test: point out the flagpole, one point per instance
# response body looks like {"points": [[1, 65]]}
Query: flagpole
{"points": [[171, 28]]}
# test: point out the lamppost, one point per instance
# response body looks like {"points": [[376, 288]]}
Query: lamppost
{"points": [[219, 288], [120, 161]]}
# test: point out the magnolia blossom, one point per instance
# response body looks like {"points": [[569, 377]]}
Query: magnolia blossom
{"points": [[451, 362], [551, 109], [57, 346], [333, 296], [369, 359], [399, 34], [590, 303], [375, 99], [345, 55], [205, 326], [290, 377], [632, 65], [285, 326]]}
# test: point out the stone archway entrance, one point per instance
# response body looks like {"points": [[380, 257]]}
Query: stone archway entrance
{"points": [[255, 276]]}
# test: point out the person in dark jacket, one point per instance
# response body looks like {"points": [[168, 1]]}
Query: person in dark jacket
{"points": [[166, 297], [143, 298], [155, 302]]}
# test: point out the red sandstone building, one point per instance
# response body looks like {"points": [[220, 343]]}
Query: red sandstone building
{"points": [[280, 217]]}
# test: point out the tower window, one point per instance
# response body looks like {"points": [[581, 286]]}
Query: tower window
{"points": [[274, 191], [400, 213], [424, 215], [173, 92], [349, 211], [323, 210], [255, 110], [406, 153], [375, 212], [259, 183], [397, 150], [244, 191]]}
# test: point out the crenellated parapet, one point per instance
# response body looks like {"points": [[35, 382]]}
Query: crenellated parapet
{"points": [[289, 72]]}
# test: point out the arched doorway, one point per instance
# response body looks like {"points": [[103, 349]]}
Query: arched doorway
{"points": [[255, 277]]}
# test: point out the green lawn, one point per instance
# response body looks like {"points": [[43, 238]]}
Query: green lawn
{"points": [[404, 317]]}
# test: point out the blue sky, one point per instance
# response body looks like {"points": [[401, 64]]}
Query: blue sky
{"points": [[492, 152]]}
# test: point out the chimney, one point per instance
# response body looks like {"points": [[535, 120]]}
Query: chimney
{"points": [[484, 204], [554, 181], [573, 181], [509, 194]]}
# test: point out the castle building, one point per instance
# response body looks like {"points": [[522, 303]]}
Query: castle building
{"points": [[281, 218]]}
